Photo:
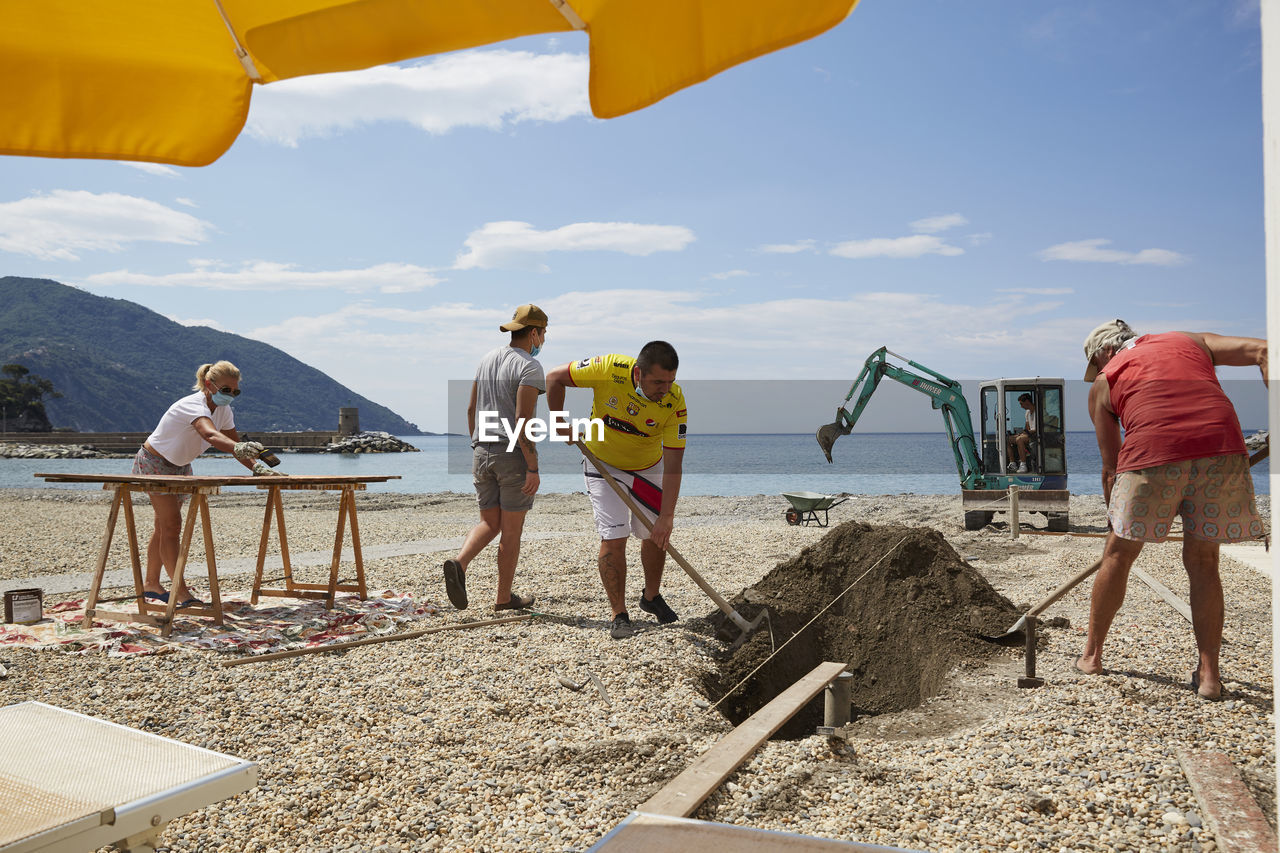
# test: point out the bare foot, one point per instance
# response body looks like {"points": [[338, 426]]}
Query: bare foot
{"points": [[1089, 666], [1211, 690]]}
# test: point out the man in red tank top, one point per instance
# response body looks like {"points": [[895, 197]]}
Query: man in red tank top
{"points": [[1182, 453]]}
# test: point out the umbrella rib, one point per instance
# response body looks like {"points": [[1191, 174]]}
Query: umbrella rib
{"points": [[241, 53], [563, 7]]}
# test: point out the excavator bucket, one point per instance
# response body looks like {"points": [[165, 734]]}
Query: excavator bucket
{"points": [[827, 435]]}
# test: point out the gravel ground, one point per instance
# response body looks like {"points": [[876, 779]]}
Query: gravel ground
{"points": [[467, 739]]}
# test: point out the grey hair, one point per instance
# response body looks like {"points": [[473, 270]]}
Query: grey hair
{"points": [[1116, 338]]}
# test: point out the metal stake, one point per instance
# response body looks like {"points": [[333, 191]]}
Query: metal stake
{"points": [[1030, 679]]}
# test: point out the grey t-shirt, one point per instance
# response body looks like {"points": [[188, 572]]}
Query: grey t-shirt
{"points": [[500, 374]]}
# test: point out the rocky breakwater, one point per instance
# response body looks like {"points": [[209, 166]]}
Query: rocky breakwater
{"points": [[55, 451], [369, 442]]}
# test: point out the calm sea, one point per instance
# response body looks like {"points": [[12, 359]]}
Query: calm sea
{"points": [[865, 463]]}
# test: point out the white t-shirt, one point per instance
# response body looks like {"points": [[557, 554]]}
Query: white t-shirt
{"points": [[176, 439]]}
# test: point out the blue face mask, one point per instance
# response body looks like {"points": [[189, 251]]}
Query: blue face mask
{"points": [[220, 399], [533, 351]]}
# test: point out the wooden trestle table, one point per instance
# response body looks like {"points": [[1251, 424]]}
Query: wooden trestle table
{"points": [[199, 488]]}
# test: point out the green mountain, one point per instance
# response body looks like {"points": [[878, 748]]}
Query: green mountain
{"points": [[119, 366]]}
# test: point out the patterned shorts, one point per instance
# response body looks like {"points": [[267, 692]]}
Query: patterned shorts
{"points": [[146, 462], [1213, 495]]}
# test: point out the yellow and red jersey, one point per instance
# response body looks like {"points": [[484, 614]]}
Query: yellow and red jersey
{"points": [[636, 429]]}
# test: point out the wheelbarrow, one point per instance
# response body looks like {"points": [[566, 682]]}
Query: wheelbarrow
{"points": [[805, 507]]}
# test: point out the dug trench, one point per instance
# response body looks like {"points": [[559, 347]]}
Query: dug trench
{"points": [[907, 612]]}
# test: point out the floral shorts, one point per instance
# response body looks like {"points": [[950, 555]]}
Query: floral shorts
{"points": [[146, 462], [1213, 495]]}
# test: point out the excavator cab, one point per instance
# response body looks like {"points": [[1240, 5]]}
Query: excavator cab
{"points": [[1024, 413]]}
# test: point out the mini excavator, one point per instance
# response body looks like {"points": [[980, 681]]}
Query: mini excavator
{"points": [[985, 478]]}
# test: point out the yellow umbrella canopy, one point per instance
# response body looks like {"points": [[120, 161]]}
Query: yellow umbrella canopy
{"points": [[169, 81]]}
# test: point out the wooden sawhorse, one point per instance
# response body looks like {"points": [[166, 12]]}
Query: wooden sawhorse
{"points": [[292, 588], [148, 611]]}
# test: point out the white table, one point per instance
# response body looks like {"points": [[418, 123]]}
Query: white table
{"points": [[71, 783]]}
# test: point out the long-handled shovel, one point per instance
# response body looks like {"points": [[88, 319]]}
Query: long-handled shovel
{"points": [[747, 627], [1068, 585]]}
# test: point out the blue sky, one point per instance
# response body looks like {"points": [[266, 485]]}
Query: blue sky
{"points": [[974, 185]]}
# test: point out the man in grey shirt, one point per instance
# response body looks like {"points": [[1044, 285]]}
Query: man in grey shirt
{"points": [[505, 390]]}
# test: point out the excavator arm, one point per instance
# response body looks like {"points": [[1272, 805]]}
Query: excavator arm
{"points": [[945, 394]]}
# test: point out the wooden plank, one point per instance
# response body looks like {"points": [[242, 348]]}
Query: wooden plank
{"points": [[215, 594], [300, 481], [103, 553], [1230, 810], [90, 615], [644, 833], [262, 545], [341, 587], [682, 795], [1164, 592], [367, 641], [355, 543], [296, 593]]}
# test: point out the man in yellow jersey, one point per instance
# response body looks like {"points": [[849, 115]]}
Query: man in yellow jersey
{"points": [[644, 415]]}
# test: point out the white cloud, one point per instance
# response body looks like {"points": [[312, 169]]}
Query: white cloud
{"points": [[1094, 251], [980, 238], [473, 88], [934, 224], [402, 358], [895, 247], [60, 224], [789, 248], [269, 275], [185, 202], [727, 274], [157, 169], [1038, 291], [201, 321], [516, 244]]}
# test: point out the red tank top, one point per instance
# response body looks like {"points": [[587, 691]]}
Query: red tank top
{"points": [[1170, 404]]}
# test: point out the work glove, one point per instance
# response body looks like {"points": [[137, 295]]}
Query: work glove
{"points": [[248, 450], [262, 469]]}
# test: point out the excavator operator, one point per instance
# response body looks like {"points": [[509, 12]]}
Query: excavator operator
{"points": [[1021, 440]]}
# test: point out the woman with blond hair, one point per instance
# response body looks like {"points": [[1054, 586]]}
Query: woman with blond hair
{"points": [[198, 421]]}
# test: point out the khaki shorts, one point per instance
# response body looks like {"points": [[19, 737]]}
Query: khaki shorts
{"points": [[499, 477], [1214, 496]]}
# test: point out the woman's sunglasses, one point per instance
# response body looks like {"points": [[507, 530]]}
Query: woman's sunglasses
{"points": [[227, 390]]}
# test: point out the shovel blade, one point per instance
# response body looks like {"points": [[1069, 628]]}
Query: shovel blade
{"points": [[827, 435]]}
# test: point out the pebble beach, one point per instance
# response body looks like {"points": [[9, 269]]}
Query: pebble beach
{"points": [[471, 740]]}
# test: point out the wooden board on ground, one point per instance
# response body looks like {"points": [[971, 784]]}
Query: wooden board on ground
{"points": [[683, 794], [1164, 592], [1230, 810], [644, 833]]}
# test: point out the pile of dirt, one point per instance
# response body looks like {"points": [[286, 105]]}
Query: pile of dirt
{"points": [[915, 611]]}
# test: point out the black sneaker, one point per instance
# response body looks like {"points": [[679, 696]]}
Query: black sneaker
{"points": [[455, 584], [621, 628], [658, 607]]}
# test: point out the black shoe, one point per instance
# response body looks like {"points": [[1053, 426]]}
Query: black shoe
{"points": [[621, 628], [455, 584], [658, 607]]}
